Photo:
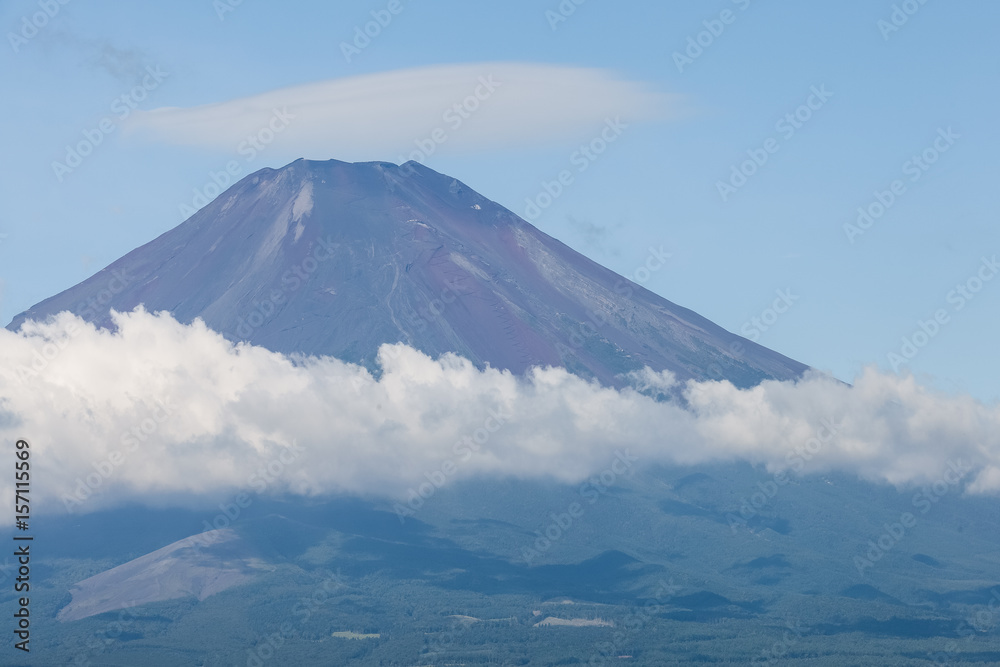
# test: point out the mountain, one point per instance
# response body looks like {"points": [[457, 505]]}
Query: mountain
{"points": [[336, 259], [199, 566], [671, 565]]}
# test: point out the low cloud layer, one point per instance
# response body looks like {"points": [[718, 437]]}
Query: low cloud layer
{"points": [[160, 409], [446, 108]]}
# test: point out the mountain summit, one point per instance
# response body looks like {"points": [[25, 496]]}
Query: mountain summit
{"points": [[333, 258]]}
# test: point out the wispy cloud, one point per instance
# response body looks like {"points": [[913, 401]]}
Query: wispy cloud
{"points": [[160, 408], [594, 235], [126, 64], [478, 106]]}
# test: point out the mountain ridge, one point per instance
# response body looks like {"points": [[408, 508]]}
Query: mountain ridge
{"points": [[336, 258]]}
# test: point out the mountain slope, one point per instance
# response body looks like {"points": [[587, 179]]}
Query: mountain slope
{"points": [[336, 258], [198, 566]]}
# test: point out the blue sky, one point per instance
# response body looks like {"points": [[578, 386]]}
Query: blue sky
{"points": [[888, 95]]}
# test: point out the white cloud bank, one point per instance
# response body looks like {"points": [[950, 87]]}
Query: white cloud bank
{"points": [[160, 409], [473, 106]]}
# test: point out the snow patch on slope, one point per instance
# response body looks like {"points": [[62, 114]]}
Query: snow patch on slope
{"points": [[301, 207], [464, 263], [303, 204]]}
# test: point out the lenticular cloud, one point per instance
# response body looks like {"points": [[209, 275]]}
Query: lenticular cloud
{"points": [[463, 107], [159, 409]]}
